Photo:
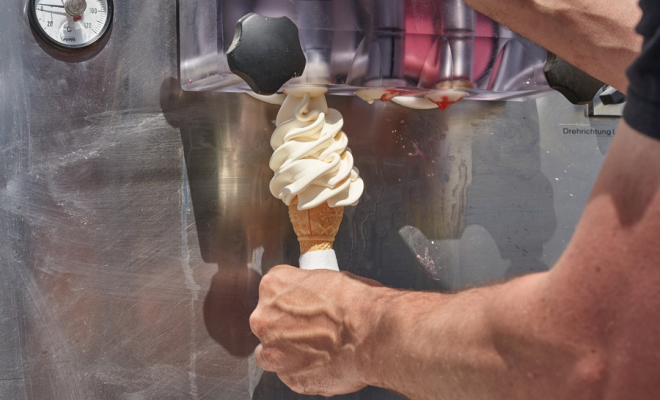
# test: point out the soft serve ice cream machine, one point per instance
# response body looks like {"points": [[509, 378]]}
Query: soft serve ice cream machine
{"points": [[387, 65], [153, 159], [376, 49], [418, 54], [405, 58]]}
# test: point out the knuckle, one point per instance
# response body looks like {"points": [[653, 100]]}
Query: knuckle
{"points": [[259, 357], [265, 281], [279, 272], [274, 279], [267, 356], [265, 287], [299, 384], [268, 359], [257, 324], [280, 268], [292, 382]]}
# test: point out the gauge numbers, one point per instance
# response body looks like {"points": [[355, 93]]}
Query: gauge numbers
{"points": [[71, 24]]}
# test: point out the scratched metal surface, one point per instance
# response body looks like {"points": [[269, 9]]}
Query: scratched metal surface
{"points": [[135, 219]]}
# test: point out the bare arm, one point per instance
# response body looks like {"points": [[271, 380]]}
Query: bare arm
{"points": [[588, 329], [596, 36]]}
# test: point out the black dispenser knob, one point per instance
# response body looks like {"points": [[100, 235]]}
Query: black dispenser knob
{"points": [[576, 85], [611, 96], [266, 52]]}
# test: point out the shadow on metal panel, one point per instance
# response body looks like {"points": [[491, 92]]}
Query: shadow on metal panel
{"points": [[437, 186]]}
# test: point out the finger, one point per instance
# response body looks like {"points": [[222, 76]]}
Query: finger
{"points": [[256, 324], [296, 384], [258, 356], [265, 359], [302, 384], [272, 282]]}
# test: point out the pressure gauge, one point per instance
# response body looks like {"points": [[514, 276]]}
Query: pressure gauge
{"points": [[71, 24]]}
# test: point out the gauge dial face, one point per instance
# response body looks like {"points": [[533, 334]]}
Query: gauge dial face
{"points": [[71, 24]]}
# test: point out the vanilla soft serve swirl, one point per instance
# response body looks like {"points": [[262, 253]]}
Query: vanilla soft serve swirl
{"points": [[311, 159]]}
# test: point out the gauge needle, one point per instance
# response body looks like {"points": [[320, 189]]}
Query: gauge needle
{"points": [[51, 5]]}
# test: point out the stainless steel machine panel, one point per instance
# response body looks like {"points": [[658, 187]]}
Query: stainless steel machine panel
{"points": [[413, 45], [135, 219]]}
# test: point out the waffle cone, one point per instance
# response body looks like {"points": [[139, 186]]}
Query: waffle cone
{"points": [[316, 228]]}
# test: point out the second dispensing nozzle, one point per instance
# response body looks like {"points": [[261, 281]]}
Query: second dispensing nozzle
{"points": [[458, 26]]}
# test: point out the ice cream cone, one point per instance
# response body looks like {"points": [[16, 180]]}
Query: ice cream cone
{"points": [[317, 227]]}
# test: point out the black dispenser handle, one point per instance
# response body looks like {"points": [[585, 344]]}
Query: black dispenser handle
{"points": [[576, 85], [266, 52]]}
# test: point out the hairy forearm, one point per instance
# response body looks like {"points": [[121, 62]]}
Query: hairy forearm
{"points": [[487, 343], [436, 346], [587, 329], [595, 36]]}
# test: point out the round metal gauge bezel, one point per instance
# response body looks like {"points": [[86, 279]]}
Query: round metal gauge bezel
{"points": [[36, 26]]}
